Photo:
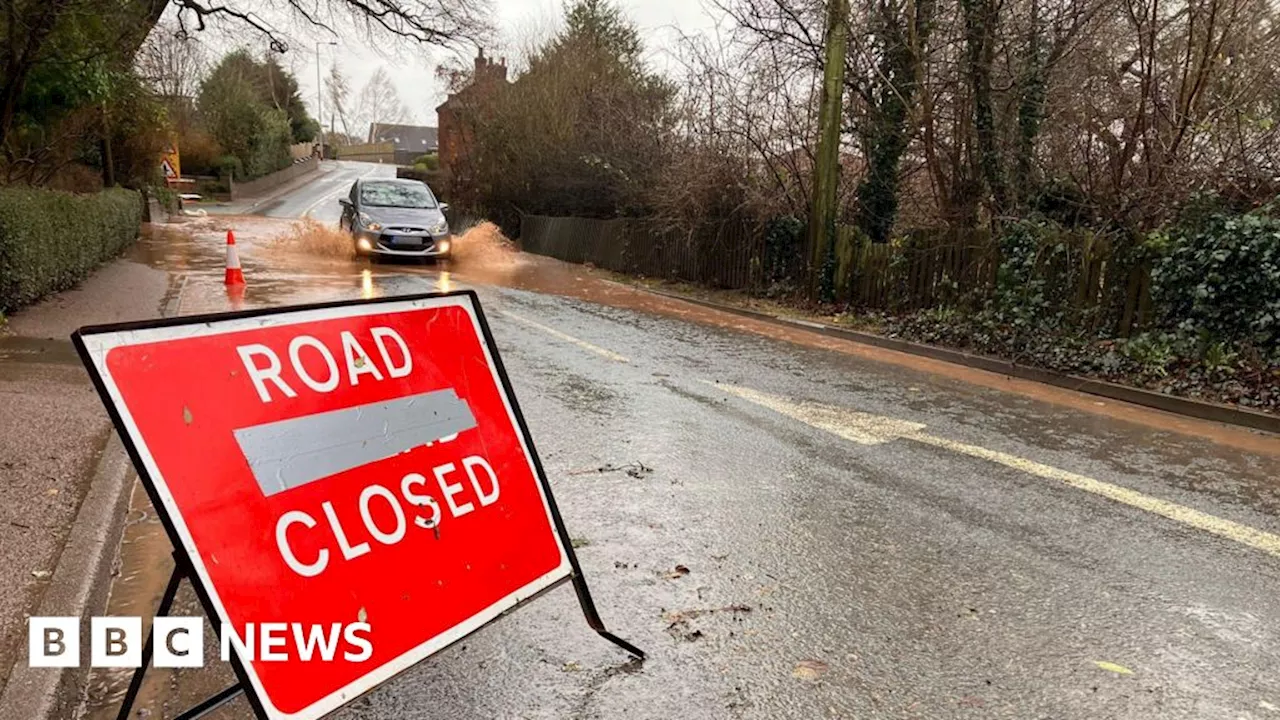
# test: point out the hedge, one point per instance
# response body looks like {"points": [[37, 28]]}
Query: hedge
{"points": [[51, 240], [1220, 275]]}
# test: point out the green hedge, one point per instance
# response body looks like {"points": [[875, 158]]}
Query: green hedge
{"points": [[51, 240]]}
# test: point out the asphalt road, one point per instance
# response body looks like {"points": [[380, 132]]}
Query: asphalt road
{"points": [[318, 198], [861, 538]]}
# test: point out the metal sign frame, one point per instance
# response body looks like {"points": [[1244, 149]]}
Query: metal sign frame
{"points": [[182, 561]]}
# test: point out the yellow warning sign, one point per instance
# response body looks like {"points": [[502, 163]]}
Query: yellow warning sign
{"points": [[170, 164]]}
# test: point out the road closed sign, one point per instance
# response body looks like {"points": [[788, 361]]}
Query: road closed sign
{"points": [[351, 485]]}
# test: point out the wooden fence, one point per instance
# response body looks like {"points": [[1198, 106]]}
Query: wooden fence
{"points": [[1075, 272], [369, 152], [725, 255]]}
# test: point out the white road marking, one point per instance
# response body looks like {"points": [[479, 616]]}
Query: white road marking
{"points": [[568, 338], [334, 195], [870, 429]]}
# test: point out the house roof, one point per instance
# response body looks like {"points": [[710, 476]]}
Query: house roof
{"points": [[418, 138]]}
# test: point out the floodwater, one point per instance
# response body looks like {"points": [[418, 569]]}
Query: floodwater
{"points": [[772, 567]]}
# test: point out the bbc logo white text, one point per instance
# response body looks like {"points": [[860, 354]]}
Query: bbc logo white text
{"points": [[179, 642]]}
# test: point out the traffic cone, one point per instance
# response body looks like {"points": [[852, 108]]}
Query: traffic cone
{"points": [[235, 296], [234, 276]]}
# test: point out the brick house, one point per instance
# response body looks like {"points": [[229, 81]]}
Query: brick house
{"points": [[490, 76]]}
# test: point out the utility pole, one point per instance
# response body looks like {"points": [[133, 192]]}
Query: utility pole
{"points": [[826, 170]]}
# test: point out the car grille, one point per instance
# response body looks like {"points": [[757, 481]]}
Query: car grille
{"points": [[414, 242]]}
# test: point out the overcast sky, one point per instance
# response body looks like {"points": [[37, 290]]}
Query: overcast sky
{"points": [[413, 68]]}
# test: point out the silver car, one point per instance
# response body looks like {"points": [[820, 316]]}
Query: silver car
{"points": [[396, 218]]}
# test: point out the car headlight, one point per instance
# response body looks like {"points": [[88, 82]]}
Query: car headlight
{"points": [[364, 245], [440, 227], [368, 222], [443, 246]]}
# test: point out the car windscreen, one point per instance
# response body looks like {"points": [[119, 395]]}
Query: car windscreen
{"points": [[405, 195]]}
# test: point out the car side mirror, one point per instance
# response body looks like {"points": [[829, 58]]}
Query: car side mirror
{"points": [[344, 202], [444, 207]]}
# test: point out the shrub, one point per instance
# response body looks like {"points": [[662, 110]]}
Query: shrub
{"points": [[429, 162], [166, 196], [268, 145], [200, 152], [51, 240], [1219, 275], [1023, 298], [783, 262], [229, 166]]}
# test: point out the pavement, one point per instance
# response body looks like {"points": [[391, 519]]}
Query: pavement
{"points": [[795, 526], [53, 431]]}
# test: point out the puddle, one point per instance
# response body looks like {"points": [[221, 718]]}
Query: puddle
{"points": [[37, 350], [144, 570], [314, 241], [291, 262], [144, 567]]}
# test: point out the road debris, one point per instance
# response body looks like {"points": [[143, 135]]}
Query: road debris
{"points": [[675, 616], [1112, 667], [678, 571], [678, 620], [636, 470], [809, 670]]}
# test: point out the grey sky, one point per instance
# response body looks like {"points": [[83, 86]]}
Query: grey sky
{"points": [[413, 70]]}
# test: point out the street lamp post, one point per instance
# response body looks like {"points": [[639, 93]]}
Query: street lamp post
{"points": [[320, 94]]}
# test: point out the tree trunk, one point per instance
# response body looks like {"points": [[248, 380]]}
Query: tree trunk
{"points": [[108, 159], [980, 19], [889, 110], [1030, 107], [826, 173]]}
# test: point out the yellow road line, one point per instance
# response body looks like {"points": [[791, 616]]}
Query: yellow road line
{"points": [[867, 429], [569, 338]]}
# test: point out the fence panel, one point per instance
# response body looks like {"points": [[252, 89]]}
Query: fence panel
{"points": [[921, 269], [720, 254]]}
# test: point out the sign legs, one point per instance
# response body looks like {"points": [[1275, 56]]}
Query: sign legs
{"points": [[148, 650], [593, 615]]}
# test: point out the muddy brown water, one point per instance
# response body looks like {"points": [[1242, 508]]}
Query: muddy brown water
{"points": [[277, 252], [144, 565], [292, 262]]}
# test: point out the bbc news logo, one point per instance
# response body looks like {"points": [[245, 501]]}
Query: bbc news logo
{"points": [[179, 642]]}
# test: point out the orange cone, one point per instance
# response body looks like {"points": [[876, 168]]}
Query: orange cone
{"points": [[234, 276], [235, 296]]}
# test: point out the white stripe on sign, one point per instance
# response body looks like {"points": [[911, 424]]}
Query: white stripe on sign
{"points": [[870, 429], [568, 338]]}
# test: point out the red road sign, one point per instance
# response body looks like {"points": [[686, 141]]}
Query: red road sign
{"points": [[348, 463]]}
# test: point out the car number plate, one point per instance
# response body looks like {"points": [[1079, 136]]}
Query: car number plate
{"points": [[406, 241]]}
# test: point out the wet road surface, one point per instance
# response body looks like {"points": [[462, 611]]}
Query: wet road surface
{"points": [[799, 531]]}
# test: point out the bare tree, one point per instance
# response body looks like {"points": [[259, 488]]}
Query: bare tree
{"points": [[172, 62], [32, 30], [444, 23], [338, 89], [379, 102]]}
